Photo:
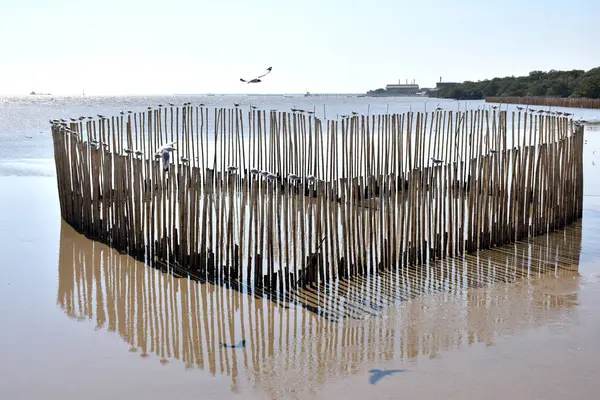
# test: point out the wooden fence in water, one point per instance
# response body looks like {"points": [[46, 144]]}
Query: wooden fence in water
{"points": [[546, 101], [276, 200]]}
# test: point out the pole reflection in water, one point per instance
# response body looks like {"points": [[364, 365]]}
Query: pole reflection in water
{"points": [[325, 332]]}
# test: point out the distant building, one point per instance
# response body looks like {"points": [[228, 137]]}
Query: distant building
{"points": [[442, 85], [396, 89], [402, 89]]}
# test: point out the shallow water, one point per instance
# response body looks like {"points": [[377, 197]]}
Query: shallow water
{"points": [[81, 321]]}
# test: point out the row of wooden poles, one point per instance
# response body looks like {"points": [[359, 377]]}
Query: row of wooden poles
{"points": [[273, 200], [546, 101], [166, 318]]}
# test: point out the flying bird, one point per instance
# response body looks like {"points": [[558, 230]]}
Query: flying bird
{"points": [[378, 374], [257, 79]]}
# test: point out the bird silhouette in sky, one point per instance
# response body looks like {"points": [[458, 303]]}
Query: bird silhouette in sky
{"points": [[257, 79], [379, 374]]}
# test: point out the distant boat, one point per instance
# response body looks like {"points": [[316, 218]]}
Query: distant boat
{"points": [[209, 94], [39, 94]]}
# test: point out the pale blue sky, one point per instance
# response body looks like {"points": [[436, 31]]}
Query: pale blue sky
{"points": [[199, 46]]}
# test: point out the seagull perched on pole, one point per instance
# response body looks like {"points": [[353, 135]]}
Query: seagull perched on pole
{"points": [[257, 79]]}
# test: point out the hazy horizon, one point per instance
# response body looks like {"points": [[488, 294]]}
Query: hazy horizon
{"points": [[190, 47]]}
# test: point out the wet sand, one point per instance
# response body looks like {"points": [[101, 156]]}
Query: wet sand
{"points": [[82, 321]]}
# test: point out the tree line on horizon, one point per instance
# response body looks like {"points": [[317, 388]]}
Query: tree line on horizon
{"points": [[575, 83]]}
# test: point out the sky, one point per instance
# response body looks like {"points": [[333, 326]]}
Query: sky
{"points": [[145, 47]]}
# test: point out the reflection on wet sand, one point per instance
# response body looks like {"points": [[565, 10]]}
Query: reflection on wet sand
{"points": [[416, 312]]}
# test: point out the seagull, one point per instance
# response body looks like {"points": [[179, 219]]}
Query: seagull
{"points": [[62, 120], [236, 104], [184, 160], [532, 110], [166, 157], [264, 173], [254, 171], [160, 105], [253, 107], [241, 344], [354, 113], [310, 112], [293, 177], [28, 137], [101, 116], [231, 168], [494, 107], [493, 151], [171, 104], [257, 79], [201, 104], [73, 120], [138, 153], [122, 113], [436, 161], [378, 374], [167, 147], [128, 151], [271, 177], [519, 108]]}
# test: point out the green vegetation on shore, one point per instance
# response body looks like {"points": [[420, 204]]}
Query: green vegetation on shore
{"points": [[575, 83]]}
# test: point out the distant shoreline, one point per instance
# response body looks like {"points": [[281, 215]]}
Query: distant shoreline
{"points": [[547, 101]]}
